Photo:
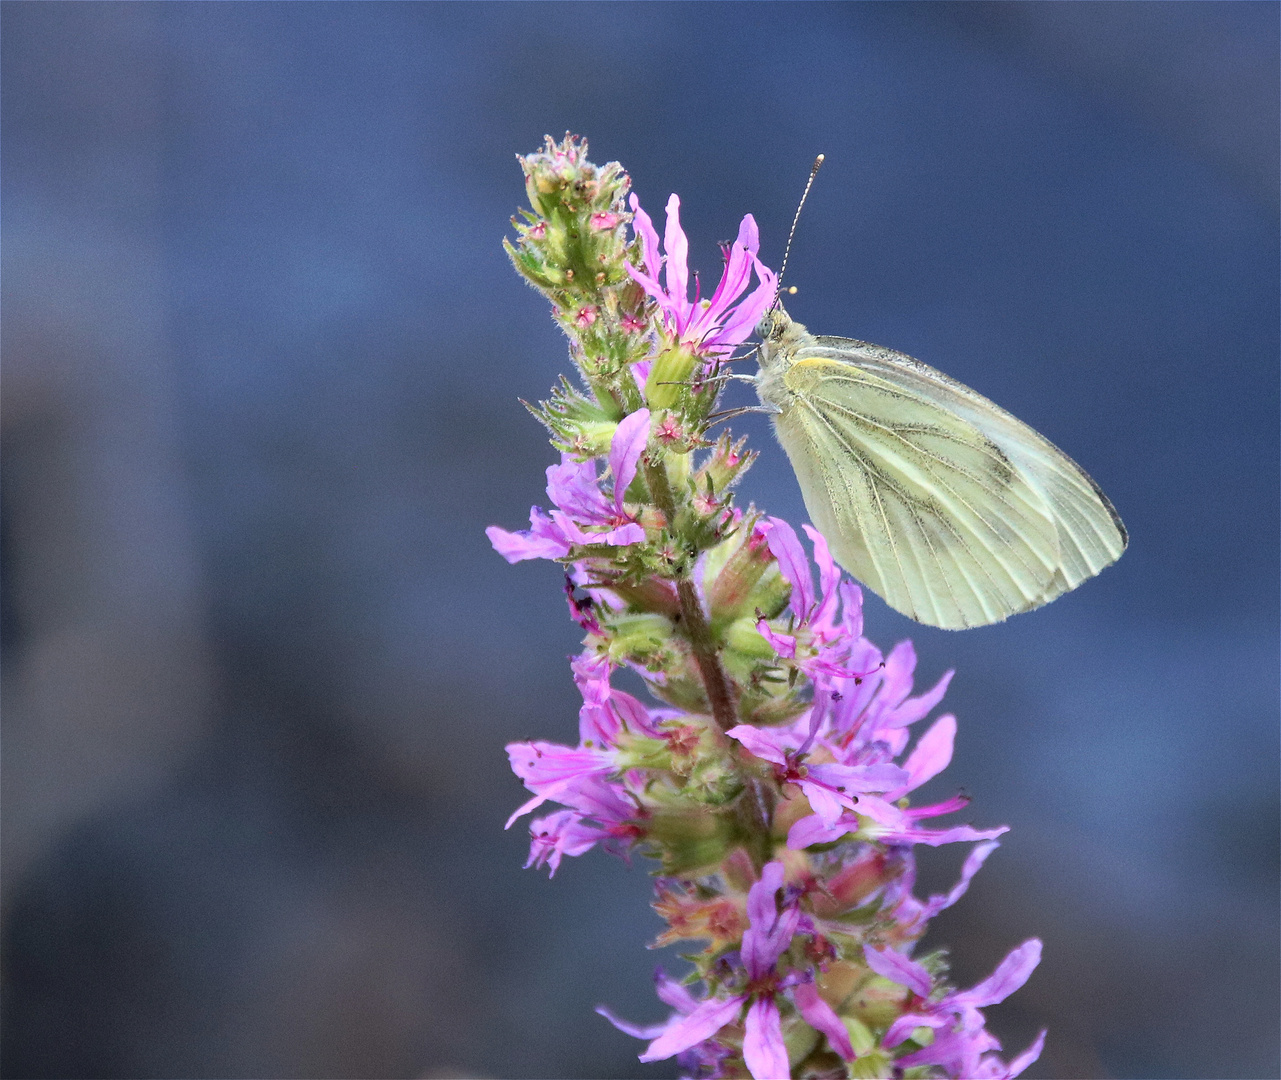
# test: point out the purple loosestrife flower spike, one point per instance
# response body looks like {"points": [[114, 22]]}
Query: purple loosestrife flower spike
{"points": [[769, 765]]}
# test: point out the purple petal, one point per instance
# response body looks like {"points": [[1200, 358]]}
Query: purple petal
{"points": [[938, 809], [625, 450], [680, 1033], [1010, 974], [622, 536], [958, 834], [525, 807], [559, 834], [541, 764], [814, 830], [910, 711], [828, 805], [587, 793], [644, 228], [599, 798], [762, 744], [783, 644], [677, 248], [770, 931], [653, 289], [516, 546], [762, 906], [619, 537], [648, 1031], [904, 1025], [931, 755], [852, 610], [633, 713], [973, 862], [886, 814], [792, 564], [597, 724], [764, 1051], [959, 1053], [1026, 1058], [899, 969], [897, 676], [749, 235], [747, 316], [573, 487], [859, 778], [829, 575], [821, 1017], [672, 993], [735, 277], [591, 676]]}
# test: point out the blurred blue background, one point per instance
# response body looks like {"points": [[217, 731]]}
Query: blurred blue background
{"points": [[262, 354]]}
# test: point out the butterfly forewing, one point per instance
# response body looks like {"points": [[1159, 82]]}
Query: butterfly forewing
{"points": [[1090, 533], [947, 506]]}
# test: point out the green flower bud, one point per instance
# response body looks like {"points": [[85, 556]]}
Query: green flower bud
{"points": [[690, 842], [638, 635], [800, 1040], [748, 581], [875, 1065], [861, 1037], [673, 367], [742, 638]]}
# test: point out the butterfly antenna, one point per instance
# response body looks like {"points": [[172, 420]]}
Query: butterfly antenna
{"points": [[818, 162]]}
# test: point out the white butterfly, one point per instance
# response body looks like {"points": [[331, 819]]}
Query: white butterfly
{"points": [[944, 504]]}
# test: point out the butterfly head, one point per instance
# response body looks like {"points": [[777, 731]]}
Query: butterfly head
{"points": [[774, 324]]}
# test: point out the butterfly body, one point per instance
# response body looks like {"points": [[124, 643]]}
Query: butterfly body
{"points": [[952, 510]]}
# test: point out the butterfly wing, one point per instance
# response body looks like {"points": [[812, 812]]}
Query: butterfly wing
{"points": [[951, 509]]}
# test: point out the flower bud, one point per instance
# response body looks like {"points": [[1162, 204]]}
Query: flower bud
{"points": [[800, 1040], [742, 637], [728, 462], [690, 842], [748, 582], [667, 377]]}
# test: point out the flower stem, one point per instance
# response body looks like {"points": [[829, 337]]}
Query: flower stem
{"points": [[694, 625]]}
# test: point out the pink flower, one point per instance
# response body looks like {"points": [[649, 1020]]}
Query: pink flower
{"points": [[606, 711], [586, 316], [583, 514], [602, 814], [961, 1042], [830, 789], [715, 326], [828, 627], [557, 772], [559, 834], [880, 818], [604, 220]]}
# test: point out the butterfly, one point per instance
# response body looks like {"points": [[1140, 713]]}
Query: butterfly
{"points": [[953, 511]]}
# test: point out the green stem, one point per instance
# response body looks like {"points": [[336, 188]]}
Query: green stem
{"points": [[694, 625]]}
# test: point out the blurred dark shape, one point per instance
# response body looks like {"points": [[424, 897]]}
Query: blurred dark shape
{"points": [[261, 351]]}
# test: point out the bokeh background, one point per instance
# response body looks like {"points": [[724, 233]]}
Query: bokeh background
{"points": [[262, 355]]}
